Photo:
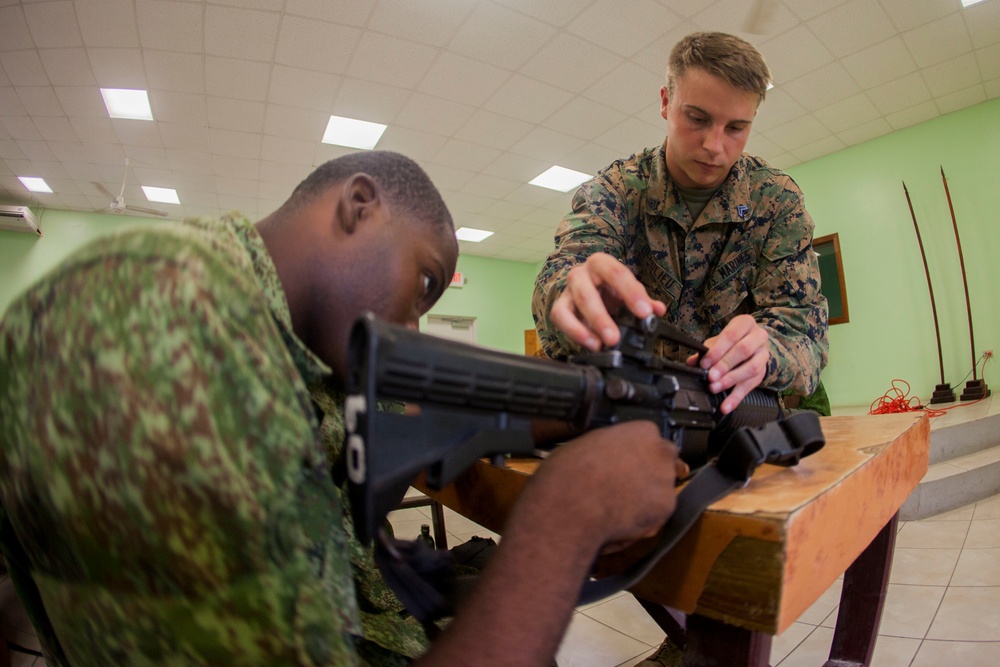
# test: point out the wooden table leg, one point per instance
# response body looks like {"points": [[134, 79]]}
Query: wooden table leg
{"points": [[862, 600], [713, 643]]}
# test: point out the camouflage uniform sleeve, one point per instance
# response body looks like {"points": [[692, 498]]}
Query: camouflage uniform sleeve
{"points": [[595, 224], [167, 479], [787, 298]]}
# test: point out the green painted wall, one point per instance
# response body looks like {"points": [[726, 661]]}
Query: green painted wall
{"points": [[498, 294], [858, 194]]}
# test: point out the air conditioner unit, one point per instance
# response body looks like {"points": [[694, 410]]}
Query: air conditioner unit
{"points": [[18, 219]]}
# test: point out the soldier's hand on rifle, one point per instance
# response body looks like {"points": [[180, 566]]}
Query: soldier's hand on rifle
{"points": [[736, 360], [593, 291], [616, 481]]}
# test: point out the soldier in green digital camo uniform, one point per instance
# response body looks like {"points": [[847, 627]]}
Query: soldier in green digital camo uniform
{"points": [[168, 408], [714, 240]]}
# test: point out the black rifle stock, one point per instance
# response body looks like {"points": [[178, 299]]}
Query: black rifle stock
{"points": [[475, 402]]}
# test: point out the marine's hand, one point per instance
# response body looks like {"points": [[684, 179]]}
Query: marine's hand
{"points": [[593, 291], [736, 360]]}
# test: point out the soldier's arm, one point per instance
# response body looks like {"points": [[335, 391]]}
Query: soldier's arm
{"points": [[583, 281], [787, 295]]}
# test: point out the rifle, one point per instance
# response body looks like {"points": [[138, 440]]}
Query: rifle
{"points": [[474, 402]]}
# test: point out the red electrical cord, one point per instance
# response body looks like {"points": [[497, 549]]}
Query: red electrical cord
{"points": [[899, 400]]}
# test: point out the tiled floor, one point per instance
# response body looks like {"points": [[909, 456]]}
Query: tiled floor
{"points": [[943, 605]]}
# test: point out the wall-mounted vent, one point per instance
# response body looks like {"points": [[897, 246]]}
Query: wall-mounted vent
{"points": [[18, 219]]}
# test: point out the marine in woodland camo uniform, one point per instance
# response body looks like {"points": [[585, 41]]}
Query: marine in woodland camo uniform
{"points": [[164, 448], [750, 251]]}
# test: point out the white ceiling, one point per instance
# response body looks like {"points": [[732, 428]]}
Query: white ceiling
{"points": [[485, 94]]}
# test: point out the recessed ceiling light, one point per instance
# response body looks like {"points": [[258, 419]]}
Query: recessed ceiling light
{"points": [[35, 184], [966, 3], [124, 103], [352, 133], [470, 234], [770, 85], [162, 195], [560, 178]]}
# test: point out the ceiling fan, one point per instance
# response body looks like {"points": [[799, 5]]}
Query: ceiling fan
{"points": [[118, 204]]}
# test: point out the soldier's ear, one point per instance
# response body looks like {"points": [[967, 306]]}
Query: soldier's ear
{"points": [[359, 198]]}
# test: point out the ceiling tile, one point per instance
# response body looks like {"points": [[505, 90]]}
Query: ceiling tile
{"points": [[53, 24], [315, 45], [754, 21], [171, 70], [909, 14], [105, 154], [24, 68], [118, 68], [449, 178], [777, 109], [366, 100], [291, 151], [938, 41], [9, 150], [912, 115], [94, 130], [584, 118], [527, 99], [240, 33], [14, 33], [235, 115], [837, 85], [554, 12], [807, 9], [137, 132], [22, 128], [797, 133], [855, 110], [799, 53], [631, 135], [196, 163], [67, 67], [390, 60], [623, 28], [466, 203], [570, 62], [492, 129], [184, 137], [235, 144], [36, 151], [462, 79], [510, 47], [852, 27], [465, 155], [961, 99], [171, 26], [294, 87], [433, 114], [989, 61], [82, 171], [237, 79], [82, 101], [416, 144], [355, 12], [10, 103], [183, 108], [881, 63], [952, 75], [281, 172], [56, 129], [819, 148], [628, 88], [432, 22], [545, 144], [983, 22], [861, 133], [282, 121], [230, 188], [40, 100], [108, 23], [902, 93], [591, 158]]}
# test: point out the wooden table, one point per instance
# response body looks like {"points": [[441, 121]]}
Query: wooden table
{"points": [[761, 556]]}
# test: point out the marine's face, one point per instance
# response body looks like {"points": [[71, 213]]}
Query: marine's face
{"points": [[708, 124]]}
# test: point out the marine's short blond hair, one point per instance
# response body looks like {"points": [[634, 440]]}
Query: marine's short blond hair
{"points": [[727, 56]]}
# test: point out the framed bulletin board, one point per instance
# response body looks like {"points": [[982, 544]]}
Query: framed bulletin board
{"points": [[831, 271]]}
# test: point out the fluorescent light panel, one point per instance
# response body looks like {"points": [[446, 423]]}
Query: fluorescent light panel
{"points": [[472, 234], [560, 178], [966, 3], [35, 184], [352, 133], [125, 103], [162, 195]]}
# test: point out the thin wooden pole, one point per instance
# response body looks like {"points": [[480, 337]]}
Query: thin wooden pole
{"points": [[930, 287], [965, 282]]}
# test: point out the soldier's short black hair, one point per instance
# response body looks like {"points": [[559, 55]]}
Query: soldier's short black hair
{"points": [[727, 56], [403, 183]]}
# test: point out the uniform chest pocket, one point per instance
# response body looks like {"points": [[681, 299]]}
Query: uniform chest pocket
{"points": [[727, 292]]}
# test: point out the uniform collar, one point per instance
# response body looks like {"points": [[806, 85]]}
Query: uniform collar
{"points": [[731, 203]]}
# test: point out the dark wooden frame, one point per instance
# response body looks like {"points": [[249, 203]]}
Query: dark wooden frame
{"points": [[835, 241]]}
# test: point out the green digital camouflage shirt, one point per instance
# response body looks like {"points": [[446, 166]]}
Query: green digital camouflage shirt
{"points": [[164, 478], [750, 251]]}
